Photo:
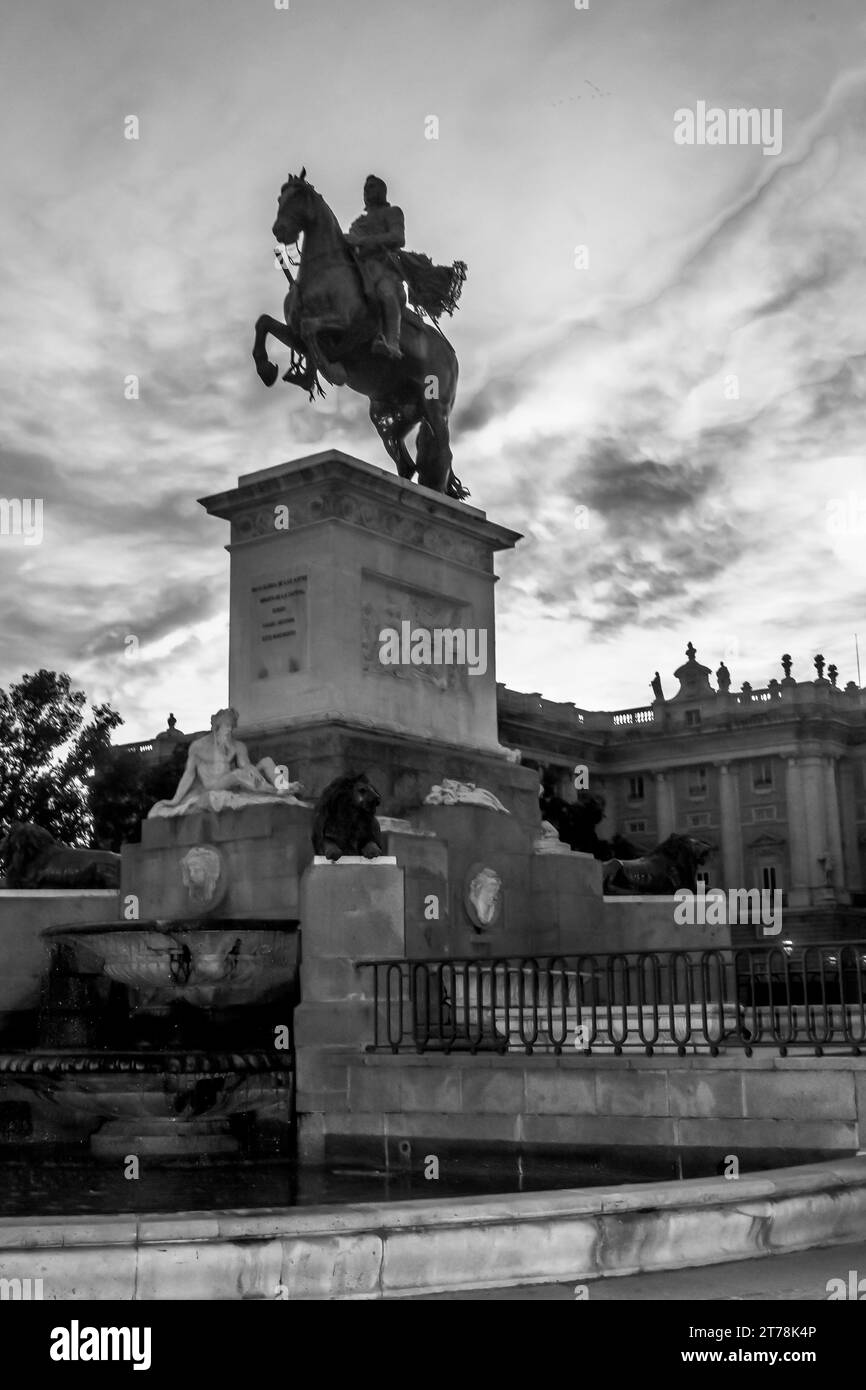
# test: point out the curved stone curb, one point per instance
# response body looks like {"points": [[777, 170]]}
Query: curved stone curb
{"points": [[376, 1250]]}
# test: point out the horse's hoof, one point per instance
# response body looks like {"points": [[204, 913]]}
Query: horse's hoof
{"points": [[268, 373]]}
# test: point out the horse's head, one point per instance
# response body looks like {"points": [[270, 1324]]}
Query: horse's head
{"points": [[293, 209]]}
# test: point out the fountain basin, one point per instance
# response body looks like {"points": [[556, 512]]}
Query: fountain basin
{"points": [[172, 1103], [204, 963], [375, 1250]]}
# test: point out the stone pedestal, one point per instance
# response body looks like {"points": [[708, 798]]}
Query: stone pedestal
{"points": [[260, 854], [478, 839], [327, 553], [545, 903], [402, 769], [567, 904], [424, 861], [351, 911]]}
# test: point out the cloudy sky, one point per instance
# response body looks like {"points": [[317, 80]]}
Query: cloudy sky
{"points": [[697, 388]]}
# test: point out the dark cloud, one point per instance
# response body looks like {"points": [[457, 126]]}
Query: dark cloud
{"points": [[495, 398]]}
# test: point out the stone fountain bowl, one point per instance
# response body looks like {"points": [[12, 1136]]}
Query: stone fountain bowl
{"points": [[176, 1102], [205, 963]]}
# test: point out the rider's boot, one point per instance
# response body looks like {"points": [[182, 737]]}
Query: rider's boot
{"points": [[387, 343]]}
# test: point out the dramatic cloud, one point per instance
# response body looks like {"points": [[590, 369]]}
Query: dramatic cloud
{"points": [[667, 424]]}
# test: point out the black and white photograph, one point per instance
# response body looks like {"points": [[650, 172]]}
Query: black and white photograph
{"points": [[432, 668]]}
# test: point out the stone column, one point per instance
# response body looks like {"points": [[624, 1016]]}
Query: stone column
{"points": [[848, 814], [665, 812], [817, 830], [799, 894], [834, 828], [731, 830]]}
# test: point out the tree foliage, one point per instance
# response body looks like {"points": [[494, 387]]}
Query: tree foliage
{"points": [[50, 747], [125, 786]]}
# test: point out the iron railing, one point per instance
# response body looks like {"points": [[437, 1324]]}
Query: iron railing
{"points": [[805, 997]]}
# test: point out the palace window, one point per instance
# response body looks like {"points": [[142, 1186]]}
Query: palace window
{"points": [[768, 877], [762, 776], [636, 827], [701, 876], [698, 818], [763, 813], [693, 717], [635, 789], [697, 783]]}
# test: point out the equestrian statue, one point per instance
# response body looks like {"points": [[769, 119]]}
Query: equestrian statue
{"points": [[348, 319]]}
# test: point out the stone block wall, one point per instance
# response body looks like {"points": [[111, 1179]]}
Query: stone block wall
{"points": [[686, 1114]]}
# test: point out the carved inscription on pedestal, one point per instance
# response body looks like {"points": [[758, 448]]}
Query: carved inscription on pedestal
{"points": [[278, 624]]}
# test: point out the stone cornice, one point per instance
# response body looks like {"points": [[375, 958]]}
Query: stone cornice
{"points": [[334, 487]]}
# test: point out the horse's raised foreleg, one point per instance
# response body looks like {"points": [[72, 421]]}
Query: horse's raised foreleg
{"points": [[335, 372], [310, 330], [265, 324]]}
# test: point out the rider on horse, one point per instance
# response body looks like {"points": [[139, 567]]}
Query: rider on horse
{"points": [[374, 237], [346, 317], [377, 239]]}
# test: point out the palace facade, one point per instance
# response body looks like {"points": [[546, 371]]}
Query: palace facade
{"points": [[773, 778]]}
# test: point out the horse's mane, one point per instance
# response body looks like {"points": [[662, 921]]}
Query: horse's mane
{"points": [[301, 183]]}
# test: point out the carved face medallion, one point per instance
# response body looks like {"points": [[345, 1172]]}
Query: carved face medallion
{"points": [[201, 868], [483, 896]]}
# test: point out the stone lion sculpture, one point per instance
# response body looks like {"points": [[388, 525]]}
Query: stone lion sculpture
{"points": [[32, 858], [345, 819], [670, 866]]}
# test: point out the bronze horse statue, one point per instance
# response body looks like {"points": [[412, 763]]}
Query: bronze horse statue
{"points": [[671, 865], [329, 327]]}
